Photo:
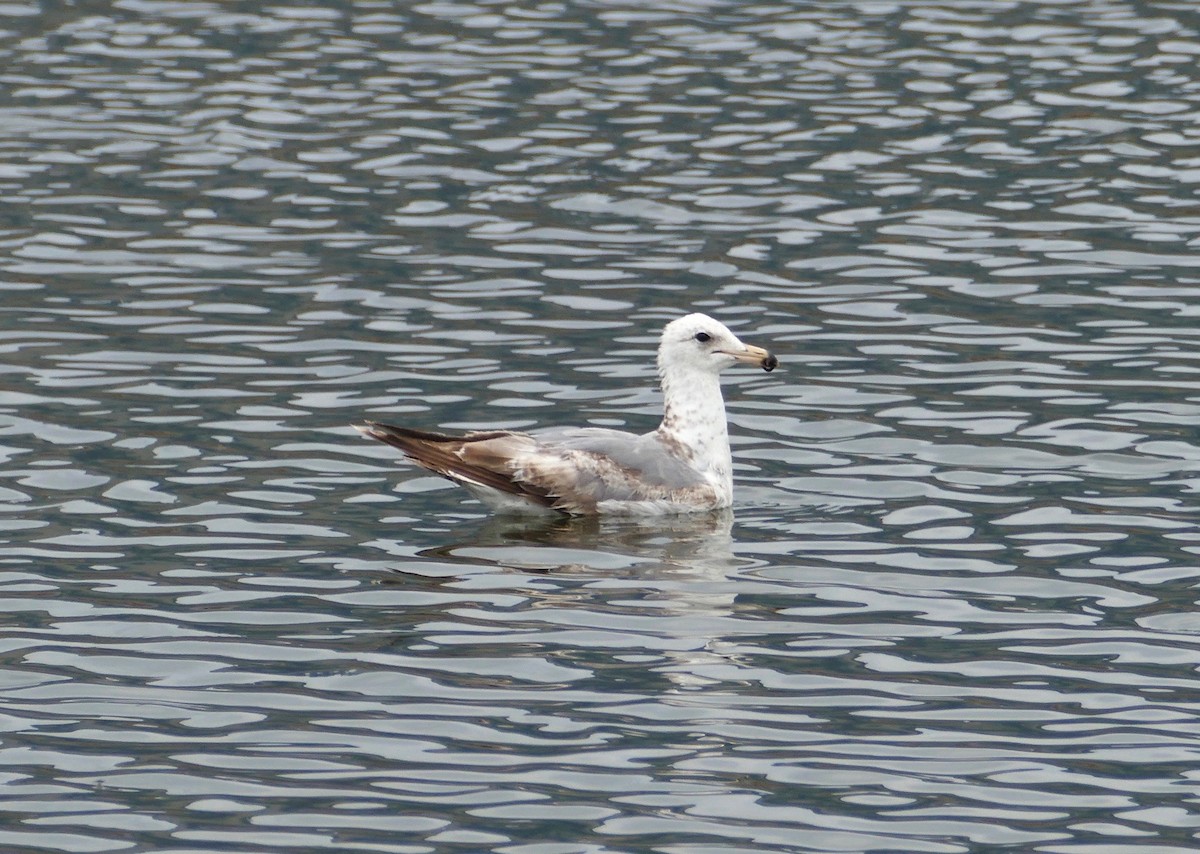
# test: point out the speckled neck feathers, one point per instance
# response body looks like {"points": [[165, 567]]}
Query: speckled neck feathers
{"points": [[694, 423]]}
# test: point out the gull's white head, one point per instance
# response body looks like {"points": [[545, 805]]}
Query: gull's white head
{"points": [[698, 344]]}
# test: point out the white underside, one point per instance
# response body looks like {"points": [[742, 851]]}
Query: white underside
{"points": [[650, 508], [506, 502]]}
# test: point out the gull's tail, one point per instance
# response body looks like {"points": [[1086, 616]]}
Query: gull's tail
{"points": [[481, 461]]}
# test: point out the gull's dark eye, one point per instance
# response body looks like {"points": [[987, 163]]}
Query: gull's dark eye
{"points": [[703, 337]]}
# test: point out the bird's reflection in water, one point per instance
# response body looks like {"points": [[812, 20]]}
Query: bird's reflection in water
{"points": [[699, 544], [663, 587]]}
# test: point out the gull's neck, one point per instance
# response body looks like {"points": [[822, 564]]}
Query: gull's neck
{"points": [[694, 424]]}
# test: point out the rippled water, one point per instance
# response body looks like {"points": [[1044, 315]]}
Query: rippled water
{"points": [[953, 608]]}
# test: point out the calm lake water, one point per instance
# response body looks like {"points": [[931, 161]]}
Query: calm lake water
{"points": [[954, 607]]}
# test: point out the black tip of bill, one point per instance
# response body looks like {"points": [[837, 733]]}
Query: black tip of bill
{"points": [[770, 363]]}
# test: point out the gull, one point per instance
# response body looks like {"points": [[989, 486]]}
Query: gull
{"points": [[684, 466]]}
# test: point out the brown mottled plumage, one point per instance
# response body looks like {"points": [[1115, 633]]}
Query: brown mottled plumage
{"points": [[479, 458]]}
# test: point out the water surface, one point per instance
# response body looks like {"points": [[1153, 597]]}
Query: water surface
{"points": [[953, 608]]}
